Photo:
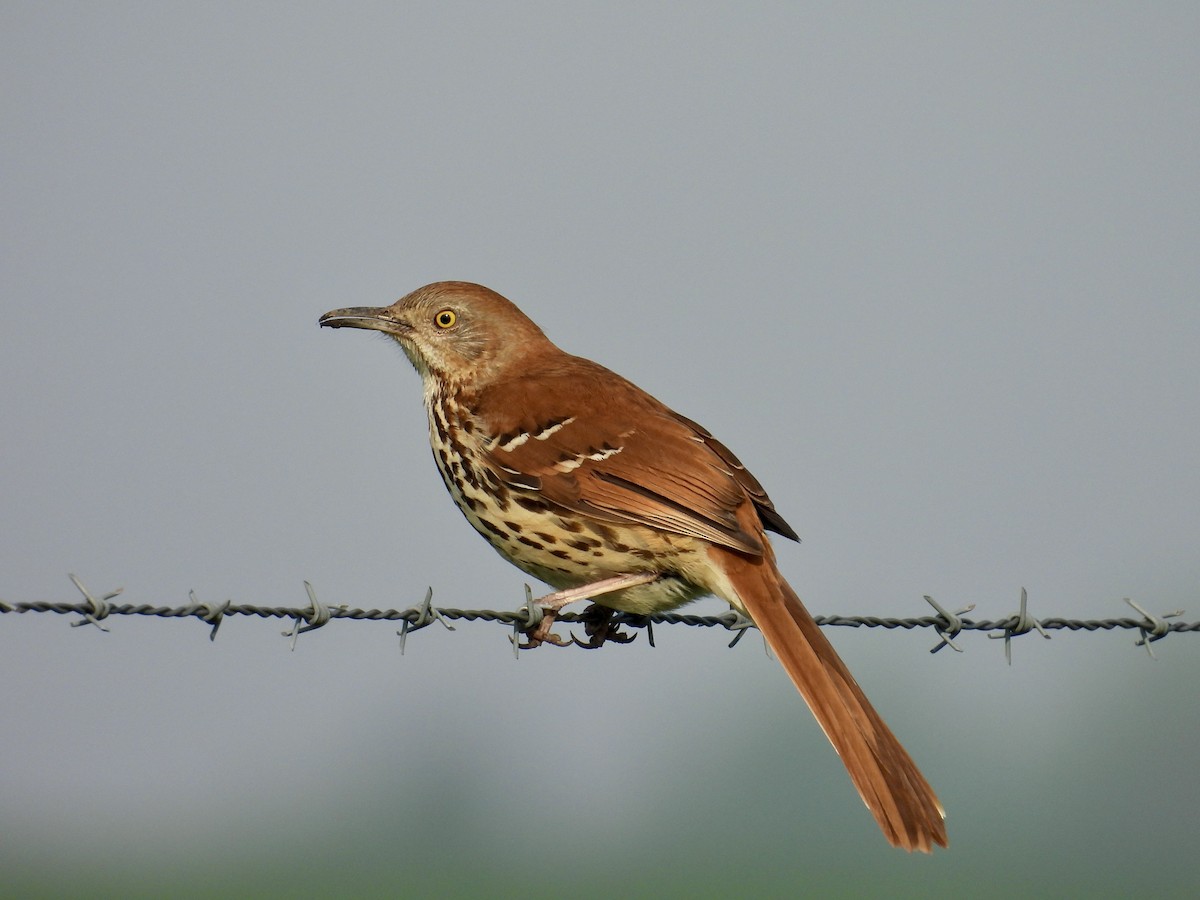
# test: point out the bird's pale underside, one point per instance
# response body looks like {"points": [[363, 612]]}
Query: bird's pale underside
{"points": [[579, 477]]}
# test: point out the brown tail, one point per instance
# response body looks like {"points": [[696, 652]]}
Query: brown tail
{"points": [[894, 790]]}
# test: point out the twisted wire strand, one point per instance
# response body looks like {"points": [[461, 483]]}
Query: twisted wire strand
{"points": [[316, 614], [729, 620]]}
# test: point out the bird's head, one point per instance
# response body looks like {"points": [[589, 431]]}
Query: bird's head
{"points": [[451, 331]]}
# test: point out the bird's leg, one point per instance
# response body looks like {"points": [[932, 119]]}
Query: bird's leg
{"points": [[552, 603]]}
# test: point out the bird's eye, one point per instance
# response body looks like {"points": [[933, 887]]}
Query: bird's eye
{"points": [[445, 319]]}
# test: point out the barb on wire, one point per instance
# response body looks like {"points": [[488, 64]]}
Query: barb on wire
{"points": [[314, 614], [739, 625], [317, 615], [1021, 623], [528, 618], [426, 616], [98, 608], [1155, 627], [948, 626], [214, 613]]}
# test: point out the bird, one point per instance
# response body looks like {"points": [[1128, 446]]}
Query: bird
{"points": [[590, 484]]}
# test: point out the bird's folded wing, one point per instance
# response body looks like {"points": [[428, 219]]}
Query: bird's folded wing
{"points": [[591, 442]]}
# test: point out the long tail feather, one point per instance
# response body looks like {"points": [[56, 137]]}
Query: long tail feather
{"points": [[888, 780]]}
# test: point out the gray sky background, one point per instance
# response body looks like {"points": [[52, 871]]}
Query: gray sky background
{"points": [[930, 270]]}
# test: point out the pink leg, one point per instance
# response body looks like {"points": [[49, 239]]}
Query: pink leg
{"points": [[556, 601], [552, 603]]}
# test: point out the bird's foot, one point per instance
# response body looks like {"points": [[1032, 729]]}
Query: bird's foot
{"points": [[600, 628], [541, 633], [598, 633]]}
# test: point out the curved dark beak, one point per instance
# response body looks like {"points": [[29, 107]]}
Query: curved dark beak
{"points": [[373, 318]]}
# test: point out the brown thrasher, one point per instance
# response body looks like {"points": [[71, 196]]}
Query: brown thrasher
{"points": [[586, 482]]}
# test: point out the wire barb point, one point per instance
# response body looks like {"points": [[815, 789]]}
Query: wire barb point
{"points": [[1155, 628], [947, 625], [1021, 623], [213, 612], [97, 608], [427, 614], [526, 618], [316, 615], [737, 622]]}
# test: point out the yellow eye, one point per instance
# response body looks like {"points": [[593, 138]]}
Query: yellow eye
{"points": [[445, 319]]}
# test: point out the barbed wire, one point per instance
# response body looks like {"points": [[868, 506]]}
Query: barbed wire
{"points": [[948, 625]]}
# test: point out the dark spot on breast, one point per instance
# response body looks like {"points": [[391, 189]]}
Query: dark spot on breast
{"points": [[643, 554], [572, 525], [439, 425], [583, 544], [494, 529], [469, 475], [512, 526], [548, 538], [529, 542], [561, 554], [619, 547], [532, 504]]}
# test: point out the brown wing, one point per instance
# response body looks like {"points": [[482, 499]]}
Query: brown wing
{"points": [[592, 442], [771, 519]]}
